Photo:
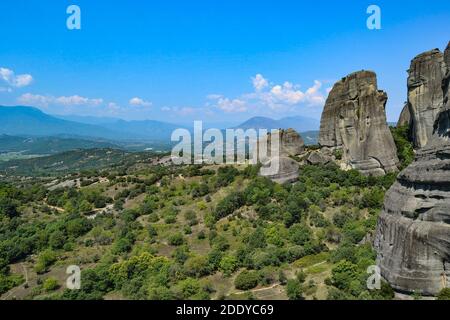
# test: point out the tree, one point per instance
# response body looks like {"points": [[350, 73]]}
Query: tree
{"points": [[246, 280], [45, 260], [8, 207], [57, 239], [343, 274], [85, 206], [300, 234], [294, 290], [197, 266], [228, 265]]}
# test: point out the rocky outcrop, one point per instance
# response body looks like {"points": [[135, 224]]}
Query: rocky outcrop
{"points": [[354, 119], [425, 97], [413, 231], [405, 117], [290, 144], [287, 169]]}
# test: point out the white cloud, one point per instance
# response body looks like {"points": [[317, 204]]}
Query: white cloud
{"points": [[231, 105], [19, 81], [77, 100], [139, 102], [272, 96], [67, 101], [259, 82], [34, 100]]}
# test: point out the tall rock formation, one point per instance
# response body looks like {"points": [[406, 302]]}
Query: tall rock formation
{"points": [[425, 95], [291, 144], [405, 117], [354, 119], [413, 231]]}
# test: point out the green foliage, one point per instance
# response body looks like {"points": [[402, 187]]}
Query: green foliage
{"points": [[343, 274], [45, 260], [176, 239], [246, 280], [50, 284], [294, 290], [444, 294], [228, 264], [228, 205], [405, 149], [8, 282]]}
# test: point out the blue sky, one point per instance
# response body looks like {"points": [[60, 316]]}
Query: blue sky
{"points": [[215, 60]]}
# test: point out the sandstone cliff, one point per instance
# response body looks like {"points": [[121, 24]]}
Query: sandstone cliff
{"points": [[413, 231], [354, 119], [405, 117], [291, 144], [425, 95]]}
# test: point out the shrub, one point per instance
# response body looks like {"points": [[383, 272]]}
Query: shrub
{"points": [[228, 265], [176, 239], [246, 280], [294, 290], [45, 260], [50, 284], [444, 294]]}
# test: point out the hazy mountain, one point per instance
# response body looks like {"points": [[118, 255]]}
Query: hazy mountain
{"points": [[29, 121], [145, 129], [87, 119], [299, 123], [47, 145]]}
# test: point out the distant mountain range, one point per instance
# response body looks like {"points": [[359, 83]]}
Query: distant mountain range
{"points": [[298, 123], [28, 130], [29, 121]]}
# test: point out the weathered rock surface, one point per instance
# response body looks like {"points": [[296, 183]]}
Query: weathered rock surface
{"points": [[287, 169], [425, 96], [405, 117], [318, 157], [354, 119], [291, 144], [413, 231]]}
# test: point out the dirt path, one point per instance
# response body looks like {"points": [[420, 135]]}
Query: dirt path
{"points": [[276, 284]]}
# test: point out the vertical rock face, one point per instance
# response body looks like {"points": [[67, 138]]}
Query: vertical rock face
{"points": [[291, 144], [413, 231], [405, 117], [354, 119], [425, 95]]}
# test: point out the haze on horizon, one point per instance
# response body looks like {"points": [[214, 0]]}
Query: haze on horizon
{"points": [[214, 61]]}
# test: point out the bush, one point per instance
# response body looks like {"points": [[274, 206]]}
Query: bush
{"points": [[228, 205], [343, 274], [294, 290], [50, 284], [45, 260], [246, 280], [228, 265], [444, 294], [176, 239]]}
